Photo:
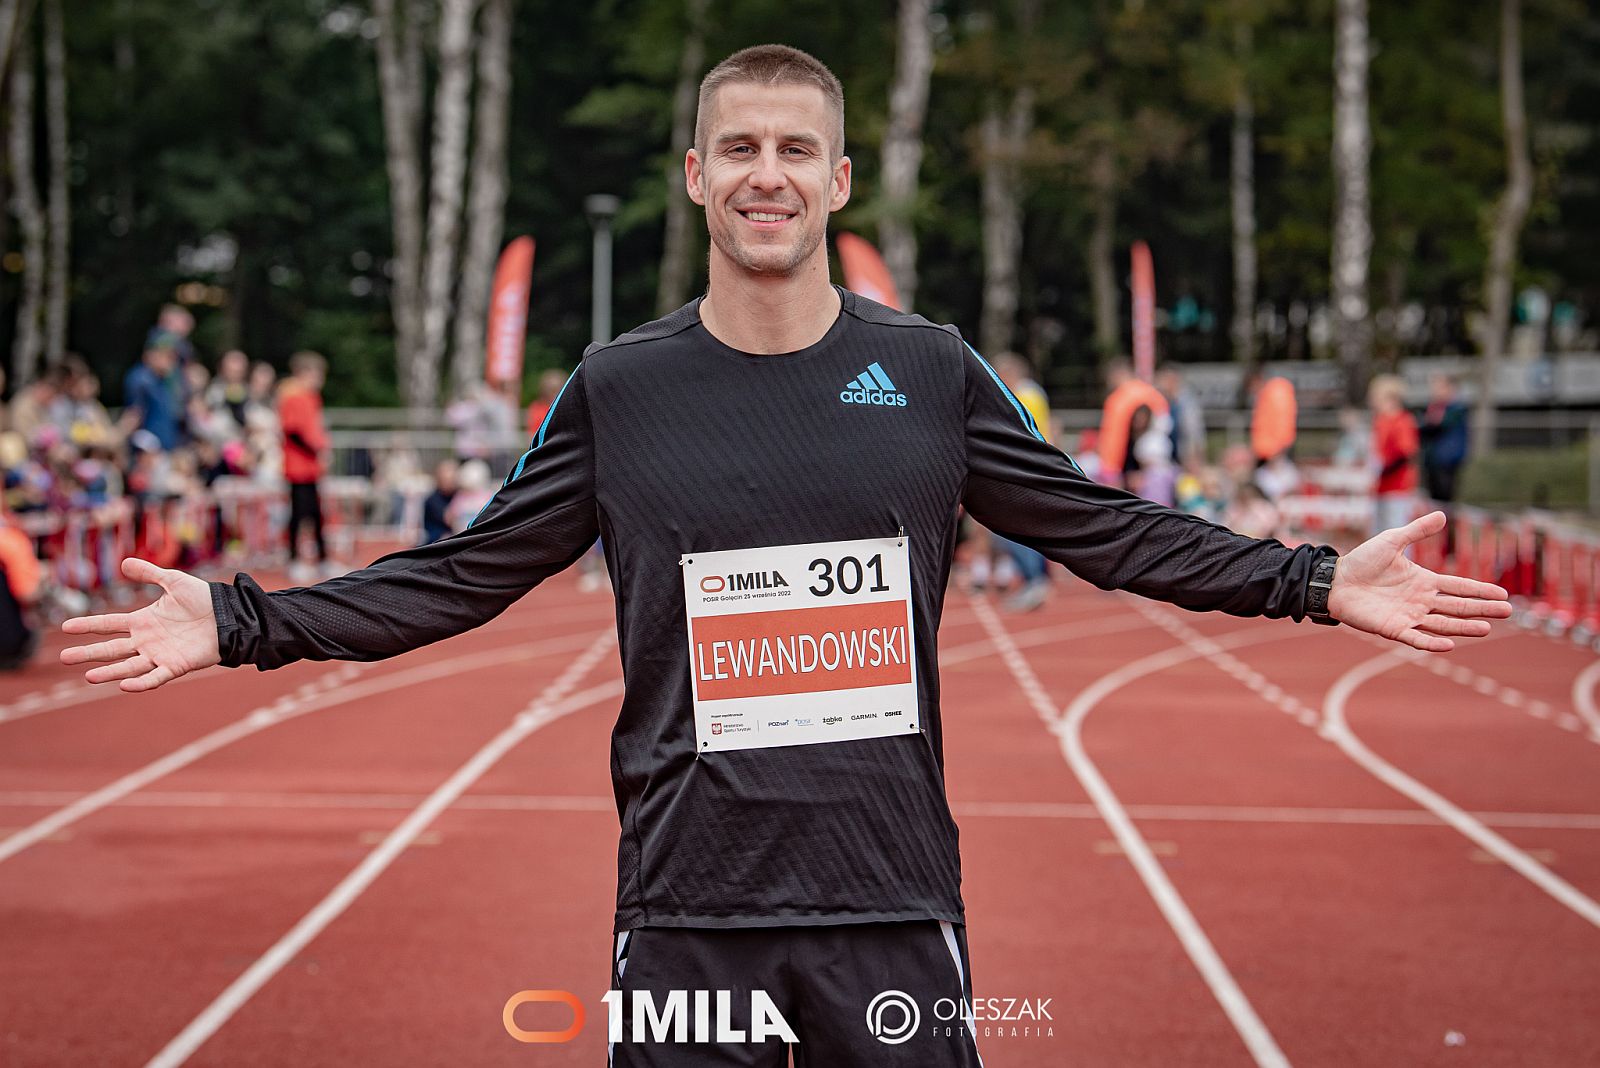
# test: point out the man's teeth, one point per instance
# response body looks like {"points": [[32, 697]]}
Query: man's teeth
{"points": [[765, 216]]}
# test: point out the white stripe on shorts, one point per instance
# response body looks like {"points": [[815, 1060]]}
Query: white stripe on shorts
{"points": [[949, 932]]}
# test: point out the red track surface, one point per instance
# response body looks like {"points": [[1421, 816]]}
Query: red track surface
{"points": [[1357, 927]]}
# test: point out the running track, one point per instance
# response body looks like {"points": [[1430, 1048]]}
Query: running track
{"points": [[1208, 841]]}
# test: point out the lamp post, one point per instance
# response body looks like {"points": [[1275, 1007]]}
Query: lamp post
{"points": [[601, 209]]}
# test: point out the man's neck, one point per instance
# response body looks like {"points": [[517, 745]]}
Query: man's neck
{"points": [[766, 315]]}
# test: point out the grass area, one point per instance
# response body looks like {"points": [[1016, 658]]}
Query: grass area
{"points": [[1555, 478]]}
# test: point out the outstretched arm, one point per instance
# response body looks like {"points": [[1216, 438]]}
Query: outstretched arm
{"points": [[1021, 487], [1378, 590], [542, 519]]}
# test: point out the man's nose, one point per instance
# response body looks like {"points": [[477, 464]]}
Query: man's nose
{"points": [[767, 174]]}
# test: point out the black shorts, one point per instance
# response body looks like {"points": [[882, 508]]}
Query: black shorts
{"points": [[869, 994]]}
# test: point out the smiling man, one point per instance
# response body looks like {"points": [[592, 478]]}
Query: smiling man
{"points": [[776, 469]]}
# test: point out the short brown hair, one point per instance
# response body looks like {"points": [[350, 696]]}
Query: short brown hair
{"points": [[771, 64]]}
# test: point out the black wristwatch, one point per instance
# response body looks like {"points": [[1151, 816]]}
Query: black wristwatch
{"points": [[1318, 587]]}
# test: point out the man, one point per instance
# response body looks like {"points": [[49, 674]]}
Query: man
{"points": [[1444, 438], [782, 437], [1031, 566], [305, 456], [148, 400], [1395, 444], [1188, 418]]}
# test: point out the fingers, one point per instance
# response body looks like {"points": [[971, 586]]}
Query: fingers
{"points": [[127, 669], [1465, 587], [1451, 627], [112, 650], [138, 570], [1422, 527], [1470, 607], [110, 623], [149, 681], [1428, 643]]}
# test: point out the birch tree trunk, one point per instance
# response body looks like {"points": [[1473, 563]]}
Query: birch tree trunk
{"points": [[1004, 137], [1101, 250], [902, 146], [486, 199], [60, 216], [13, 17], [1509, 215], [1243, 189], [1352, 223], [401, 93], [449, 164], [30, 217], [678, 249]]}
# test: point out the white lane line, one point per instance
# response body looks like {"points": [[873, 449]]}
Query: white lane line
{"points": [[1337, 730], [960, 654], [1367, 817], [1583, 698], [1067, 728], [548, 707], [69, 693], [329, 690]]}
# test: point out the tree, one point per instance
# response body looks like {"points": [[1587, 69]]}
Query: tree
{"points": [[59, 207], [399, 75], [1007, 123], [1509, 215], [1352, 222], [29, 341], [902, 145], [678, 247], [486, 199]]}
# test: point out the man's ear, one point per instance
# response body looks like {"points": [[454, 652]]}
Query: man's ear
{"points": [[692, 173], [841, 184]]}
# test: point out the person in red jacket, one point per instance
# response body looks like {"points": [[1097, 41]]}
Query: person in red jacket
{"points": [[1394, 446], [305, 455]]}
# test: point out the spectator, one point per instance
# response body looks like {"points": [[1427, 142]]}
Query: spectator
{"points": [[1444, 438], [32, 407], [1188, 418], [174, 324], [305, 456], [474, 487], [1252, 514], [230, 389], [436, 508], [1121, 421], [19, 569], [261, 425], [550, 383], [82, 417], [1272, 417], [1030, 563], [1354, 449], [1394, 444], [148, 402], [1154, 479]]}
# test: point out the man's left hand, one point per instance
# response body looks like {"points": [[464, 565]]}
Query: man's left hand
{"points": [[1376, 588]]}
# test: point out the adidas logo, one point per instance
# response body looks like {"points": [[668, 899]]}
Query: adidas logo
{"points": [[872, 386]]}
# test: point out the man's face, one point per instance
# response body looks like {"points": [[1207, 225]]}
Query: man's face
{"points": [[768, 179]]}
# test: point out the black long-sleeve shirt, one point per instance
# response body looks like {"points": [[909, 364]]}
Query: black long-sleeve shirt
{"points": [[669, 442]]}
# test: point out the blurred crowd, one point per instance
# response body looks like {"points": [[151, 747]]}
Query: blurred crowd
{"points": [[180, 428], [1152, 440]]}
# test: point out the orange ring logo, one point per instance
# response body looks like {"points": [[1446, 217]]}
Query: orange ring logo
{"points": [[522, 997], [713, 584]]}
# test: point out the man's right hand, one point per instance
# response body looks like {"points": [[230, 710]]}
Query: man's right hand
{"points": [[161, 641]]}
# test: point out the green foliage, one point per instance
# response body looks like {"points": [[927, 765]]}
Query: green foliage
{"points": [[260, 120]]}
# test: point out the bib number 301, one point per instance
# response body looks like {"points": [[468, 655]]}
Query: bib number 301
{"points": [[799, 644], [847, 574]]}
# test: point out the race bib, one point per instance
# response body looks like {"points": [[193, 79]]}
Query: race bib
{"points": [[798, 644]]}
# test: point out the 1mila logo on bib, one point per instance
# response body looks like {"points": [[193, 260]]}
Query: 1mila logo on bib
{"points": [[796, 644]]}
